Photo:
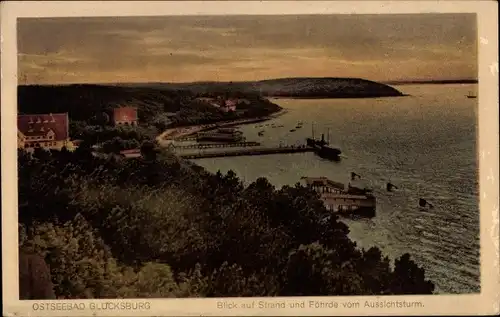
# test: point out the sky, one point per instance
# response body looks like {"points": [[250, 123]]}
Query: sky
{"points": [[237, 48]]}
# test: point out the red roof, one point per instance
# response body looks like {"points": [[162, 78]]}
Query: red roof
{"points": [[125, 114], [231, 103], [41, 124]]}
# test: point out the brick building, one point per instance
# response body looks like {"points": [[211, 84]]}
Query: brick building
{"points": [[48, 131], [125, 116]]}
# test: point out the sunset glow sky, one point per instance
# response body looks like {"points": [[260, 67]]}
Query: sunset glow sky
{"points": [[234, 48]]}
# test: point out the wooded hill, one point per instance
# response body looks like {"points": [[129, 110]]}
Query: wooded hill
{"points": [[305, 87]]}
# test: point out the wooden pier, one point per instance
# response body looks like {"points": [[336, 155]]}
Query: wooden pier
{"points": [[350, 205], [216, 145], [185, 138], [340, 200], [224, 137], [248, 152]]}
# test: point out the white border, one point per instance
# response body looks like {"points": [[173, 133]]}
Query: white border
{"points": [[485, 303]]}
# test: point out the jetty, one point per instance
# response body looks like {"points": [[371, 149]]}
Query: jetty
{"points": [[186, 138], [228, 149], [342, 201], [215, 145], [248, 152]]}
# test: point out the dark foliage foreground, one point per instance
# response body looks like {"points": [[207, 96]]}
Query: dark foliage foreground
{"points": [[160, 227]]}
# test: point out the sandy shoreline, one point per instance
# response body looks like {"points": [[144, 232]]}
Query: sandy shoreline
{"points": [[169, 135]]}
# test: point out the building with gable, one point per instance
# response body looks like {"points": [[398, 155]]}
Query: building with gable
{"points": [[47, 131], [125, 116], [229, 105]]}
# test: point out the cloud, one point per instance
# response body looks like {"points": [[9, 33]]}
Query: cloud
{"points": [[247, 47]]}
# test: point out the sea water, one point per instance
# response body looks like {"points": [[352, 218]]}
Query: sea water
{"points": [[424, 143]]}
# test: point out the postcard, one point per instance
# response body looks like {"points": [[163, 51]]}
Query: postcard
{"points": [[250, 158]]}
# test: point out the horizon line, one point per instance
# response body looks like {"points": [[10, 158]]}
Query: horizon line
{"points": [[394, 81]]}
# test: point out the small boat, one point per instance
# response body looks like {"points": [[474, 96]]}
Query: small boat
{"points": [[390, 187], [354, 175], [261, 133], [293, 130], [424, 203], [471, 96]]}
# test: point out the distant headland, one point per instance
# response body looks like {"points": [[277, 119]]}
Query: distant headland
{"points": [[300, 87]]}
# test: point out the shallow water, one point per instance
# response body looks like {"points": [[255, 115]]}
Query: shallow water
{"points": [[424, 143]]}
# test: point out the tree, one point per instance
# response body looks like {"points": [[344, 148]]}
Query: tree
{"points": [[155, 280], [82, 267], [304, 271], [230, 280], [375, 271], [34, 277], [79, 261], [149, 150], [409, 278], [141, 225], [101, 118]]}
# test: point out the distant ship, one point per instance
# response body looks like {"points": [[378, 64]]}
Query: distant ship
{"points": [[329, 152], [314, 142], [471, 96], [323, 149]]}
